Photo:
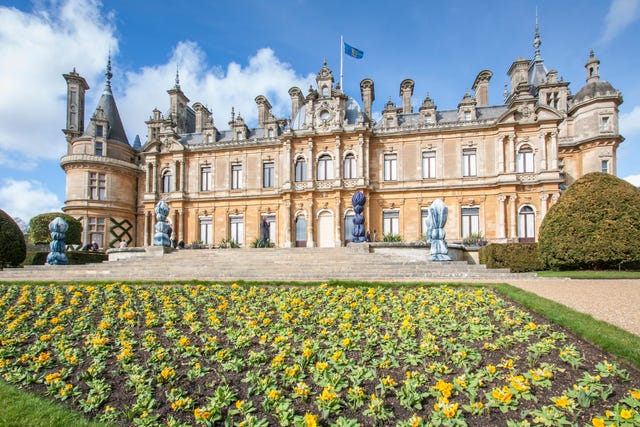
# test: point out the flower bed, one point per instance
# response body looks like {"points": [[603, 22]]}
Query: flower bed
{"points": [[305, 356]]}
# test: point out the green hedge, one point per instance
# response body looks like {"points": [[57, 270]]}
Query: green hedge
{"points": [[517, 257], [39, 233], [13, 247], [75, 258]]}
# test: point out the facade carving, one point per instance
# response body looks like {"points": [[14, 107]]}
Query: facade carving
{"points": [[499, 168]]}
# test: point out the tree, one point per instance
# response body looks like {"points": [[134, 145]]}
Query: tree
{"points": [[13, 248], [594, 225], [39, 233]]}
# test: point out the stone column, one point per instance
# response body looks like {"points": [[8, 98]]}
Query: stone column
{"points": [[543, 205], [288, 164], [337, 152], [511, 153], [311, 170], [183, 173], [338, 223], [176, 228], [500, 232], [513, 217], [361, 159], [287, 224], [147, 224], [553, 155], [542, 147], [310, 227], [500, 156]]}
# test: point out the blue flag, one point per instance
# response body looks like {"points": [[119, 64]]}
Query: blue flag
{"points": [[353, 52]]}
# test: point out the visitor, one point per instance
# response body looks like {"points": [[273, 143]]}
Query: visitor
{"points": [[181, 244], [123, 244], [264, 233], [87, 247], [95, 247]]}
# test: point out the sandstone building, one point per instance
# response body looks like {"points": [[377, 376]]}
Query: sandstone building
{"points": [[498, 168]]}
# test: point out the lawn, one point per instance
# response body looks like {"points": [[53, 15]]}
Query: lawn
{"points": [[327, 355]]}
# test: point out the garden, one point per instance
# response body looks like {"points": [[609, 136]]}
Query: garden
{"points": [[306, 355]]}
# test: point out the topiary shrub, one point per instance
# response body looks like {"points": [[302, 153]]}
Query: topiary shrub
{"points": [[594, 225], [39, 233], [517, 257], [13, 248]]}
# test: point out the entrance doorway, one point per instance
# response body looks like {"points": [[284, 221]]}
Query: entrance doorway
{"points": [[325, 230], [301, 232]]}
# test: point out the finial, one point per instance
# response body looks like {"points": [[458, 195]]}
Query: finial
{"points": [[324, 63], [591, 54], [536, 39], [177, 77], [108, 74], [233, 114]]}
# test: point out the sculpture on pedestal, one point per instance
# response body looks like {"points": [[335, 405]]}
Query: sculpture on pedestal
{"points": [[161, 238], [58, 227], [435, 222], [358, 200]]}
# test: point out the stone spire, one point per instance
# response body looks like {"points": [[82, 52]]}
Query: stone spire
{"points": [[537, 69]]}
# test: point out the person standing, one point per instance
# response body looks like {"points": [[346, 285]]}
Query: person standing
{"points": [[264, 233]]}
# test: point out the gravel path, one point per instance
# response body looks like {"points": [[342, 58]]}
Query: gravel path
{"points": [[614, 301]]}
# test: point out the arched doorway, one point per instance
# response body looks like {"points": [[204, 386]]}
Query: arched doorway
{"points": [[301, 232], [526, 224], [325, 230]]}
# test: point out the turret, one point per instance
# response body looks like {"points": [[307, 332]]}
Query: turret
{"points": [[76, 88]]}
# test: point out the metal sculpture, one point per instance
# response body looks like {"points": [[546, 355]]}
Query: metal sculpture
{"points": [[438, 218], [161, 238], [358, 200], [58, 227]]}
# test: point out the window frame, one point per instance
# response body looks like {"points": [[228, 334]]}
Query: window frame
{"points": [[300, 168], [525, 160], [429, 164], [268, 174], [324, 170], [469, 162], [390, 166], [97, 186], [167, 181], [349, 166], [391, 222], [236, 176], [469, 221], [205, 178]]}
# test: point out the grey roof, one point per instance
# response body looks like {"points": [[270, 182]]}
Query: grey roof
{"points": [[449, 116], [137, 145], [593, 89], [351, 114], [108, 104], [225, 136]]}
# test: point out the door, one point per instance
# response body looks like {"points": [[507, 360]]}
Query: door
{"points": [[301, 232], [325, 230]]}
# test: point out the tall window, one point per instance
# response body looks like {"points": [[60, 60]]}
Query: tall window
{"points": [[524, 160], [349, 166], [390, 167], [97, 186], [391, 222], [99, 131], [604, 124], [470, 221], [205, 178], [236, 229], [348, 227], [467, 116], [325, 168], [424, 216], [428, 164], [604, 164], [206, 231], [236, 176], [268, 175], [469, 162], [301, 169], [96, 230], [526, 224], [167, 181], [98, 148]]}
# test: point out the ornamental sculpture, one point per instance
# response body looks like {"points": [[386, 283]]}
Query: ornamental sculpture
{"points": [[358, 200], [163, 229], [58, 227], [435, 223]]}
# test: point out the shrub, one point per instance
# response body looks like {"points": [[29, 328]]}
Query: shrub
{"points": [[391, 238], [39, 233], [594, 225], [74, 257], [474, 239], [517, 257], [13, 248]]}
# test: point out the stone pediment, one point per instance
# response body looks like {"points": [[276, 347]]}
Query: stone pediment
{"points": [[529, 113]]}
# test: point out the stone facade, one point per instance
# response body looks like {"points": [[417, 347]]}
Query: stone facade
{"points": [[498, 168]]}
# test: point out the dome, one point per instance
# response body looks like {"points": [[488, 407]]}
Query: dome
{"points": [[595, 89]]}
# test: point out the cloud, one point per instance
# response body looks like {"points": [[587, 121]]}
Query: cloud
{"points": [[630, 122], [25, 199], [217, 88], [37, 48], [633, 179], [621, 14]]}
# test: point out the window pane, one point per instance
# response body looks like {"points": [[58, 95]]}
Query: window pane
{"points": [[205, 178], [268, 174]]}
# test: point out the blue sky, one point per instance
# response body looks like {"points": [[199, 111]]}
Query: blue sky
{"points": [[228, 53]]}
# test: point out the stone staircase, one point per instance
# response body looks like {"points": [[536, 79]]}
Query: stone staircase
{"points": [[279, 264]]}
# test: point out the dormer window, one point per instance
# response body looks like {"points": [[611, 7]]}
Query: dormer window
{"points": [[271, 133], [239, 136], [428, 119], [467, 116], [98, 148], [99, 131]]}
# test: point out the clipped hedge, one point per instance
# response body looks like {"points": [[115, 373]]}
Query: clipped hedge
{"points": [[39, 233], [75, 257], [517, 257], [595, 225], [13, 247]]}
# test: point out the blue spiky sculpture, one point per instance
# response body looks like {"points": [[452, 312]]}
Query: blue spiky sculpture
{"points": [[161, 238], [358, 200], [58, 227]]}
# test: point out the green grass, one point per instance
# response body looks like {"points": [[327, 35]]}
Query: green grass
{"points": [[21, 408], [591, 274]]}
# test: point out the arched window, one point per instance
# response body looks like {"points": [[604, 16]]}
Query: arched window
{"points": [[325, 91], [167, 181], [526, 224], [301, 169], [349, 166], [325, 168], [524, 160]]}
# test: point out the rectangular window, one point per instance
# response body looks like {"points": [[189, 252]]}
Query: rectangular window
{"points": [[301, 170], [604, 124], [467, 116], [236, 176], [74, 97], [236, 229], [96, 230], [349, 167], [604, 164], [97, 186], [424, 216], [99, 131], [391, 222], [205, 178], [98, 148], [469, 163], [390, 167], [206, 231], [428, 164], [470, 221], [268, 175], [524, 160]]}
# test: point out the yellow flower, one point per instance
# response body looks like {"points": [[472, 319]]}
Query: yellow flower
{"points": [[503, 395], [597, 422], [346, 342], [328, 395], [491, 369], [310, 420], [626, 413], [307, 352], [562, 401], [273, 394], [450, 410], [635, 393]]}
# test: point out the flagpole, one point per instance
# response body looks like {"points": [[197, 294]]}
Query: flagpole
{"points": [[341, 55]]}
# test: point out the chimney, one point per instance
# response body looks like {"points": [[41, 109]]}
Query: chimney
{"points": [[296, 101], [406, 91], [368, 96], [481, 87]]}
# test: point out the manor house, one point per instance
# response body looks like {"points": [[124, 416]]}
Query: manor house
{"points": [[498, 168]]}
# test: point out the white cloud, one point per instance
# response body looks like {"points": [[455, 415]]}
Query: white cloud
{"points": [[37, 48], [634, 179], [621, 14], [25, 199], [215, 87], [630, 122]]}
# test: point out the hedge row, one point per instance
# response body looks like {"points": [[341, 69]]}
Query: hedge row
{"points": [[75, 258], [518, 257]]}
